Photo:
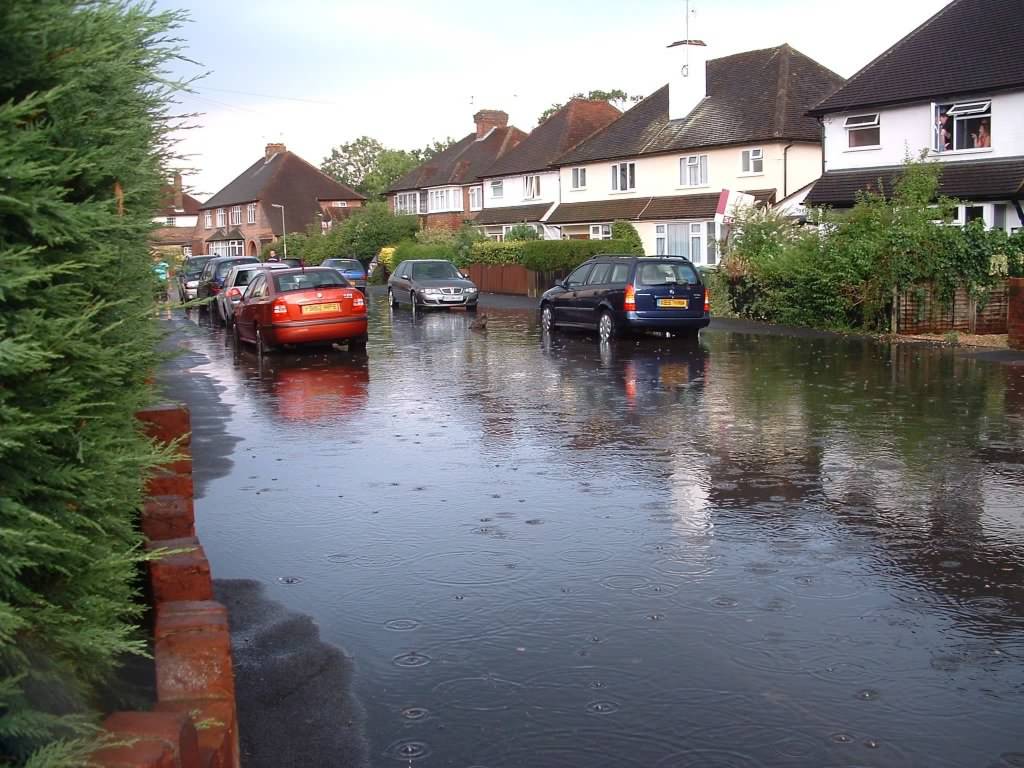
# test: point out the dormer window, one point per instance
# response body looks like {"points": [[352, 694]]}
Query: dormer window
{"points": [[963, 125], [863, 131]]}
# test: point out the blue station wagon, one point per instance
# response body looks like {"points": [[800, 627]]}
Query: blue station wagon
{"points": [[620, 294]]}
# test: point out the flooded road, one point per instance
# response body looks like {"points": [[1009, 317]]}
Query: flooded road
{"points": [[757, 550]]}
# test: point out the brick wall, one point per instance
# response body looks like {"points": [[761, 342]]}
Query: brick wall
{"points": [[922, 311]]}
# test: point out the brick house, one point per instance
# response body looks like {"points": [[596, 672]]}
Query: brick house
{"points": [[278, 193], [177, 219], [444, 191]]}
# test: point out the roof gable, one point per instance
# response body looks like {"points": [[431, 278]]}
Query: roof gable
{"points": [[752, 96], [463, 162], [563, 130], [969, 46]]}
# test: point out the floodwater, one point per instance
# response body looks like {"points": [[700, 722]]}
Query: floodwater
{"points": [[756, 550]]}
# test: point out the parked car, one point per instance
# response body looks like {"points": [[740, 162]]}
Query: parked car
{"points": [[431, 283], [301, 306], [238, 277], [187, 276], [618, 294], [352, 269], [211, 281]]}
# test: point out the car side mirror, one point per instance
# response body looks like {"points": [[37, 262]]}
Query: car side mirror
{"points": [[465, 275], [561, 284]]}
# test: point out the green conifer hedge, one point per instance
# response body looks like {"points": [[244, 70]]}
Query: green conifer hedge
{"points": [[83, 147]]}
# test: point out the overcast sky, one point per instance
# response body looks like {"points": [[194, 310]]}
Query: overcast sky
{"points": [[317, 73]]}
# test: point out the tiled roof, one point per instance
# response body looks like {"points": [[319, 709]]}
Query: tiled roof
{"points": [[967, 180], [285, 179], [754, 96], [190, 206], [645, 208], [576, 121], [970, 46], [512, 214], [463, 162]]}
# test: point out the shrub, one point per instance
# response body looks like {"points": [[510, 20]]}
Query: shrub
{"points": [[411, 251], [624, 232], [83, 147], [521, 232], [555, 255], [298, 245], [494, 252]]}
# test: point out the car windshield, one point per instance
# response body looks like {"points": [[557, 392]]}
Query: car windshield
{"points": [[225, 266], [310, 279], [667, 273], [195, 266], [347, 264], [434, 270]]}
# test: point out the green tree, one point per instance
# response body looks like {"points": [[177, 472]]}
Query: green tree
{"points": [[625, 232], [616, 97], [369, 167], [521, 232], [84, 144]]}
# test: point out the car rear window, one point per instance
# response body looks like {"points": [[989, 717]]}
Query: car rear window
{"points": [[351, 264], [245, 276], [310, 279], [666, 273], [225, 266], [192, 266]]}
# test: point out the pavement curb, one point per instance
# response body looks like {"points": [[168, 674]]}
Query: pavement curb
{"points": [[194, 723]]}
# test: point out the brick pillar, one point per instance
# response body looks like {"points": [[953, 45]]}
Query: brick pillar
{"points": [[1015, 313]]}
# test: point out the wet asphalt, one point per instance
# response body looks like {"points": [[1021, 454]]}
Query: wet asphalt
{"points": [[768, 548]]}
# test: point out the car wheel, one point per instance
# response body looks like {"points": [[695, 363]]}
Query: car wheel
{"points": [[357, 345], [471, 307], [607, 328], [412, 300], [391, 298], [262, 348], [547, 318]]}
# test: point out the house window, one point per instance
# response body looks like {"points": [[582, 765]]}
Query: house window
{"points": [[863, 131], [601, 231], [696, 240], [623, 177], [506, 227], [963, 125], [497, 189], [339, 203], [236, 214], [753, 161], [405, 202], [531, 187], [227, 248], [169, 221], [251, 213], [999, 216], [659, 239], [221, 217], [186, 251], [445, 200], [712, 244], [579, 178], [476, 198], [693, 171], [207, 219]]}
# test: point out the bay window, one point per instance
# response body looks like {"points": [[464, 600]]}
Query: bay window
{"points": [[447, 200], [476, 198], [406, 202]]}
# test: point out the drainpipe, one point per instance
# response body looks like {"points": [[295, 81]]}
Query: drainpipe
{"points": [[785, 169]]}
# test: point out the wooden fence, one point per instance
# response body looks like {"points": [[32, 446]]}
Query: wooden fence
{"points": [[921, 310], [513, 279]]}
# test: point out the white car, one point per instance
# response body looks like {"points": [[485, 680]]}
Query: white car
{"points": [[238, 277]]}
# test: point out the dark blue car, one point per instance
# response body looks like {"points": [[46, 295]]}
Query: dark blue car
{"points": [[351, 269], [620, 294]]}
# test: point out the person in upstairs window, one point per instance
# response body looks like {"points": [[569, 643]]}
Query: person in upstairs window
{"points": [[982, 139], [944, 137]]}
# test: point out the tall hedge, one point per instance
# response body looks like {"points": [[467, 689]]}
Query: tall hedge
{"points": [[82, 154], [554, 255]]}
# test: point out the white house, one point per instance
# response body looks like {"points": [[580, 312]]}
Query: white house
{"points": [[952, 90], [733, 123], [176, 218]]}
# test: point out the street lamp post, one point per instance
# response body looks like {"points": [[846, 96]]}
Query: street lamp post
{"points": [[284, 234]]}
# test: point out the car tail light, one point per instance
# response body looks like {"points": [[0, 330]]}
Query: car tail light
{"points": [[280, 307], [358, 301], [630, 304], [214, 288], [234, 293], [707, 300]]}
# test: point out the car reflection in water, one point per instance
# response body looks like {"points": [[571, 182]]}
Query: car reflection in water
{"points": [[321, 387]]}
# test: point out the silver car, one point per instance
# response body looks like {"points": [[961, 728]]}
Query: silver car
{"points": [[431, 283], [237, 278]]}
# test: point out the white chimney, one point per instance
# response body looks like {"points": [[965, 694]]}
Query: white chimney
{"points": [[688, 82]]}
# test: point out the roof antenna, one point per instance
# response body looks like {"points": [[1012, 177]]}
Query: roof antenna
{"points": [[686, 62]]}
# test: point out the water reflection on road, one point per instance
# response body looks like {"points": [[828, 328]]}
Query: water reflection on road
{"points": [[753, 550]]}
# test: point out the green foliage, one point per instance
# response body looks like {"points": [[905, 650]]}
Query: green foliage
{"points": [[624, 232], [360, 236], [297, 245], [614, 95], [554, 255], [494, 252], [844, 273], [83, 93], [412, 251], [521, 232], [461, 241], [369, 167]]}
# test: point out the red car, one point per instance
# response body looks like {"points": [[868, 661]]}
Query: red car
{"points": [[301, 306]]}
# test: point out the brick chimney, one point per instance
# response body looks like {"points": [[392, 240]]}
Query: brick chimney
{"points": [[486, 119], [179, 200], [273, 149]]}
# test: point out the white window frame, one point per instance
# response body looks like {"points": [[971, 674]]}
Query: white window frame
{"points": [[236, 215], [476, 198], [407, 202], [169, 221], [960, 112], [339, 203], [445, 200], [854, 124], [497, 189], [227, 248], [600, 231], [186, 251], [531, 186], [208, 219], [250, 213], [691, 162], [752, 162], [579, 178], [626, 170], [222, 218]]}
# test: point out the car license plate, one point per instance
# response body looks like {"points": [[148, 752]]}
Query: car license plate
{"points": [[673, 303], [451, 298], [316, 309]]}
